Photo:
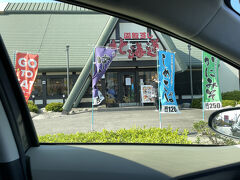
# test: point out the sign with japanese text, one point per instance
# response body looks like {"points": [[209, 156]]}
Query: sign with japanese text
{"points": [[26, 70], [102, 60], [166, 74], [137, 35], [136, 45], [147, 94], [211, 92]]}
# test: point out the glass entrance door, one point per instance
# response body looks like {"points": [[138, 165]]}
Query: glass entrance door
{"points": [[127, 85]]}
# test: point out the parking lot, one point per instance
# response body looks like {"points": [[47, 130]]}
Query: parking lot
{"points": [[113, 119]]}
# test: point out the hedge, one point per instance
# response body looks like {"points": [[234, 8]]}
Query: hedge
{"points": [[55, 107], [32, 107], [229, 99], [197, 103], [229, 103], [133, 135], [232, 95]]}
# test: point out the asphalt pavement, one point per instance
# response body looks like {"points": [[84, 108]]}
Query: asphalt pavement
{"points": [[114, 119]]}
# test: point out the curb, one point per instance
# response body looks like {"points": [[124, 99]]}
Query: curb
{"points": [[126, 108]]}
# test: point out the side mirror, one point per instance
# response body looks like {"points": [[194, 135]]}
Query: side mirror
{"points": [[226, 122]]}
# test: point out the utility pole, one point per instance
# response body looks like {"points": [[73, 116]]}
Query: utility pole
{"points": [[67, 49], [190, 66]]}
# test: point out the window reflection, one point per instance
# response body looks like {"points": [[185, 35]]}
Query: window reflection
{"points": [[56, 87], [111, 89], [145, 78], [37, 87]]}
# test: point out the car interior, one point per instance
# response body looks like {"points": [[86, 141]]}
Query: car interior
{"points": [[212, 26]]}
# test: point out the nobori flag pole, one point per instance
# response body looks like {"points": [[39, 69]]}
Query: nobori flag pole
{"points": [[93, 60], [202, 89], [159, 92]]}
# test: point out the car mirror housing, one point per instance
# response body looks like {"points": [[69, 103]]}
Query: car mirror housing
{"points": [[226, 122]]}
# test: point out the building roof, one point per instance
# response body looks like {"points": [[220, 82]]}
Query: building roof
{"points": [[48, 35], [45, 8], [47, 28]]}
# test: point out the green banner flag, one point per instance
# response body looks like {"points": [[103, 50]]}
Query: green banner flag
{"points": [[211, 91]]}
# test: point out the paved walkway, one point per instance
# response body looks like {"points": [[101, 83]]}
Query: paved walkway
{"points": [[52, 123]]}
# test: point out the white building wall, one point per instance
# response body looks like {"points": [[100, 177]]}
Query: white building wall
{"points": [[228, 77], [131, 27]]}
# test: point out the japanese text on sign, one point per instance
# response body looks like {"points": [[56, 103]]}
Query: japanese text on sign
{"points": [[166, 73], [136, 49], [136, 35], [211, 91]]}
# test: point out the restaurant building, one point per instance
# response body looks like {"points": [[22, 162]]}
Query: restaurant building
{"points": [[53, 29]]}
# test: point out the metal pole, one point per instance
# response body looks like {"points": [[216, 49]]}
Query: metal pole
{"points": [[67, 49], [202, 88], [159, 92], [190, 64], [93, 59]]}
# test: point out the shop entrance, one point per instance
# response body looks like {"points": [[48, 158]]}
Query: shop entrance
{"points": [[121, 89], [123, 86], [127, 89]]}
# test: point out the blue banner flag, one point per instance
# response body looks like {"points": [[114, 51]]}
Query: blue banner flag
{"points": [[166, 74]]}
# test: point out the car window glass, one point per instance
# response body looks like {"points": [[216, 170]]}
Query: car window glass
{"points": [[100, 79], [235, 5]]}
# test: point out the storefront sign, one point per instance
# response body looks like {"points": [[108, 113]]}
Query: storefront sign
{"points": [[211, 92], [136, 49], [147, 94], [26, 70], [137, 35], [102, 60], [166, 73]]}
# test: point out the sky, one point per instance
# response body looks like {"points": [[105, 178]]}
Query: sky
{"points": [[235, 5]]}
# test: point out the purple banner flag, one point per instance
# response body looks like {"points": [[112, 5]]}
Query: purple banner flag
{"points": [[102, 60]]}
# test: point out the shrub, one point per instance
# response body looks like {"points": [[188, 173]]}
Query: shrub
{"points": [[32, 107], [229, 99], [55, 107], [133, 135], [204, 131], [197, 103], [232, 95], [228, 103]]}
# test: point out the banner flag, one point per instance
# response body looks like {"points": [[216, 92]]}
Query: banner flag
{"points": [[26, 71], [212, 98], [166, 76], [102, 60]]}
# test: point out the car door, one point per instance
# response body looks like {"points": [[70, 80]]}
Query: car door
{"points": [[17, 131]]}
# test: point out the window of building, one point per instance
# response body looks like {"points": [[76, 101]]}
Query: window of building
{"points": [[145, 77], [37, 87], [111, 88], [57, 86]]}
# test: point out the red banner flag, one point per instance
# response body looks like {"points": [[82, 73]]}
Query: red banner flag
{"points": [[26, 70]]}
